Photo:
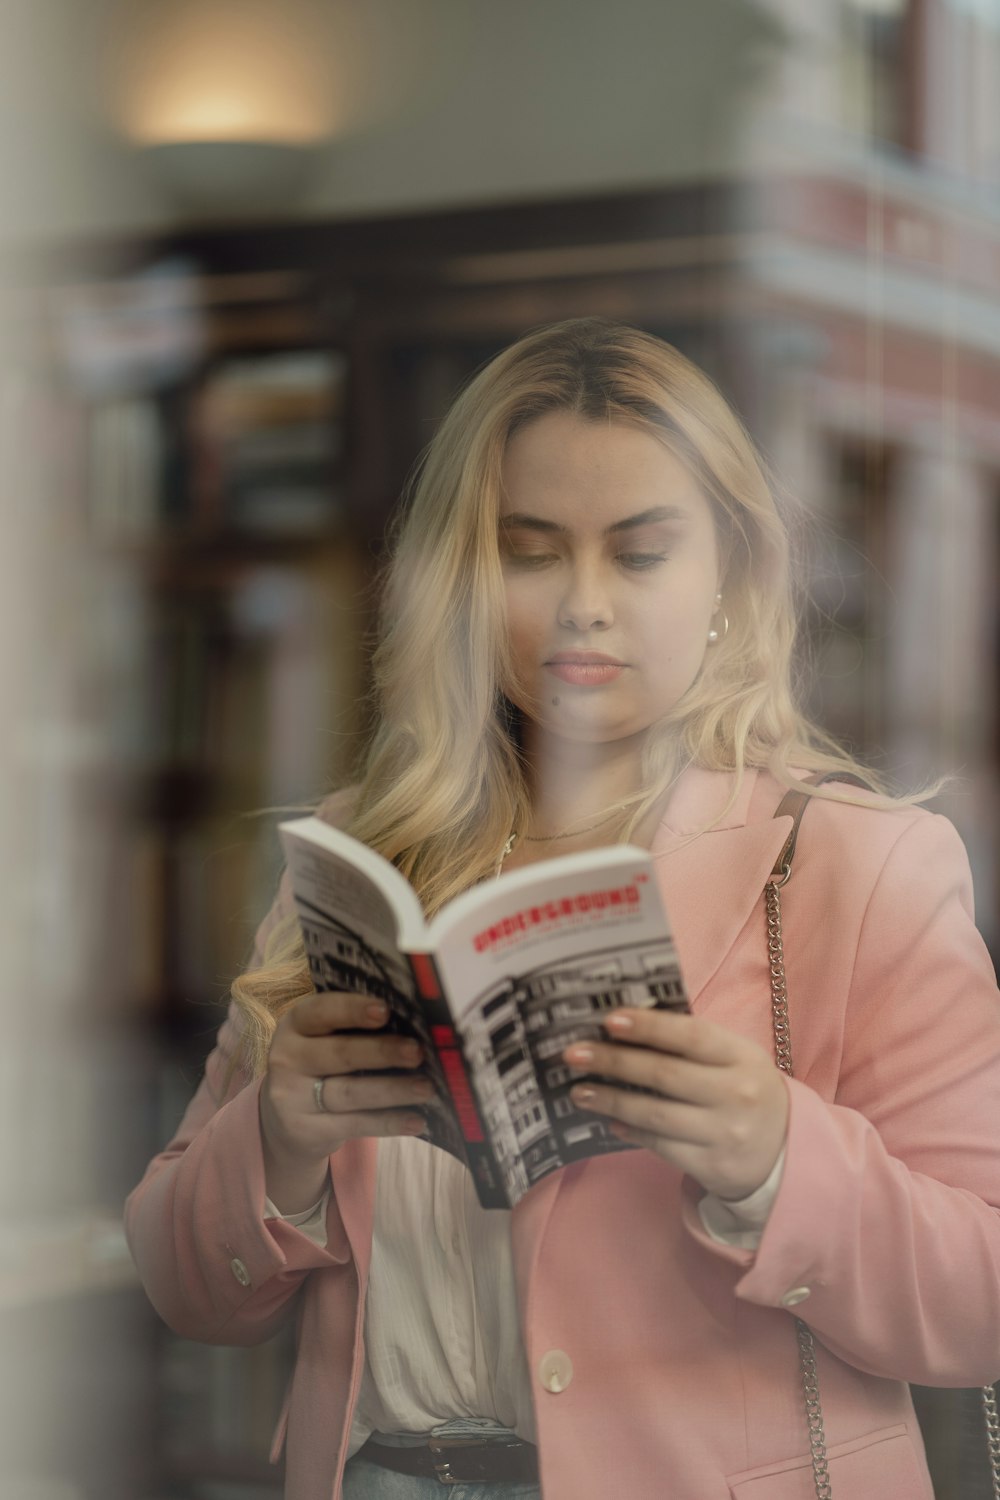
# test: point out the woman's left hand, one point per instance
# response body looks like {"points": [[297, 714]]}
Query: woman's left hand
{"points": [[723, 1111]]}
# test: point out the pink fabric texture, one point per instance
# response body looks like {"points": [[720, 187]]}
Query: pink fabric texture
{"points": [[685, 1373]]}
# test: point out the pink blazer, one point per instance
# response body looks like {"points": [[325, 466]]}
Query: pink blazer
{"points": [[681, 1354]]}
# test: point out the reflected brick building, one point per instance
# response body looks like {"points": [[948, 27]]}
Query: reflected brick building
{"points": [[865, 287]]}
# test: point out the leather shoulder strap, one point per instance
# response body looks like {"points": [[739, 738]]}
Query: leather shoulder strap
{"points": [[793, 804]]}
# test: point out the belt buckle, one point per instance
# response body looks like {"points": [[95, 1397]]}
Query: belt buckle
{"points": [[442, 1464]]}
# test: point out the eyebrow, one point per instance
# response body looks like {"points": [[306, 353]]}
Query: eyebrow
{"points": [[520, 521]]}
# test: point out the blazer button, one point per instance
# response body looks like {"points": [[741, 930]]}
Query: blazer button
{"points": [[240, 1271], [796, 1295], [555, 1371]]}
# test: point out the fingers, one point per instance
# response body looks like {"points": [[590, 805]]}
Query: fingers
{"points": [[359, 1054], [715, 1105], [314, 1115], [325, 1033], [667, 1031], [655, 1117], [332, 1010], [675, 1077], [683, 1057], [353, 1094], [334, 1074], [383, 1123]]}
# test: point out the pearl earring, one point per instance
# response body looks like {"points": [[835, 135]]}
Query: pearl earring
{"points": [[715, 636]]}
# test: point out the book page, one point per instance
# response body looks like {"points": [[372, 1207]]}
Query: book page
{"points": [[332, 888], [533, 968], [353, 880]]}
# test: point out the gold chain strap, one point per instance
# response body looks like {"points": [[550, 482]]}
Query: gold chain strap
{"points": [[992, 1435], [783, 1057], [814, 1411], [807, 1346]]}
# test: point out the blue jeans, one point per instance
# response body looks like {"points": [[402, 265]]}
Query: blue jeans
{"points": [[365, 1481]]}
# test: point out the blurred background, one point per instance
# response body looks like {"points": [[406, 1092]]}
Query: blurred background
{"points": [[248, 252]]}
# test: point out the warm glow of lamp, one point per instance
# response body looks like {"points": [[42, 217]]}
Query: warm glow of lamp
{"points": [[221, 115], [229, 103], [213, 70], [221, 109]]}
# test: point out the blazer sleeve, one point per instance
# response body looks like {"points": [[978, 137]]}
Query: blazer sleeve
{"points": [[885, 1232], [213, 1266]]}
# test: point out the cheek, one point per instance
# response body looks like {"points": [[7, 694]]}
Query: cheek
{"points": [[683, 617], [676, 636], [524, 619]]}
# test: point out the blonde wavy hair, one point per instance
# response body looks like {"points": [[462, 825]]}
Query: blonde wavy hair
{"points": [[443, 782]]}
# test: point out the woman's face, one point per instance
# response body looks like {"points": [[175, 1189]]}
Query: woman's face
{"points": [[611, 568]]}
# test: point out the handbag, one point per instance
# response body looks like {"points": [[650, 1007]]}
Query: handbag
{"points": [[793, 805]]}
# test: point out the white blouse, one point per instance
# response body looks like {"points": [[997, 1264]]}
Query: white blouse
{"points": [[442, 1339]]}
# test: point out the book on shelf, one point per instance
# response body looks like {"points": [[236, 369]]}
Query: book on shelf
{"points": [[494, 987], [125, 470], [270, 441], [219, 660]]}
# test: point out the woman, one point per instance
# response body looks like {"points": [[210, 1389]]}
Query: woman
{"points": [[588, 638]]}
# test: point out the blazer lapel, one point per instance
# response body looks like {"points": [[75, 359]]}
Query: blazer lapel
{"points": [[712, 881]]}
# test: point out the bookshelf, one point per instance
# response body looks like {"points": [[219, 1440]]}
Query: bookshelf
{"points": [[253, 596], [198, 652]]}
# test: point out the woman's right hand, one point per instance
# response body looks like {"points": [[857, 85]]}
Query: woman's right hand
{"points": [[317, 1039]]}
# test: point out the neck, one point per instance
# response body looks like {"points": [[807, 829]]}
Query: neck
{"points": [[573, 785]]}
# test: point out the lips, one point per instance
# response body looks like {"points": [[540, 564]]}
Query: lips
{"points": [[584, 668]]}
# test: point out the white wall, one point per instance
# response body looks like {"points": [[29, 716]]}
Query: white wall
{"points": [[428, 102]]}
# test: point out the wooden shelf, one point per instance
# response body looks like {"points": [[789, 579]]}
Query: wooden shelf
{"points": [[190, 551]]}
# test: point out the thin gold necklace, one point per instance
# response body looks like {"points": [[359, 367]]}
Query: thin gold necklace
{"points": [[550, 838], [504, 853], [574, 833]]}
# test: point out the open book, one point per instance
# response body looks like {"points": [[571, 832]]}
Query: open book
{"points": [[495, 986]]}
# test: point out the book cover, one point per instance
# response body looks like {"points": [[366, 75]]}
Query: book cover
{"points": [[495, 987]]}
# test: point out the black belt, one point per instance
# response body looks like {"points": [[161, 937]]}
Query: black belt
{"points": [[458, 1460]]}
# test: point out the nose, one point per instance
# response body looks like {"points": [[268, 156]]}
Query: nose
{"points": [[586, 601]]}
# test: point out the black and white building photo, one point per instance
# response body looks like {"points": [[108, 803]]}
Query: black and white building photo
{"points": [[515, 1038]]}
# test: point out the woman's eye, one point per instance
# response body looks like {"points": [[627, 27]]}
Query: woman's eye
{"points": [[528, 559], [637, 561]]}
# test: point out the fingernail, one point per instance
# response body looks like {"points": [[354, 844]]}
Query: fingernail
{"points": [[411, 1051], [377, 1011], [416, 1126], [583, 1093], [580, 1055], [619, 1023]]}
